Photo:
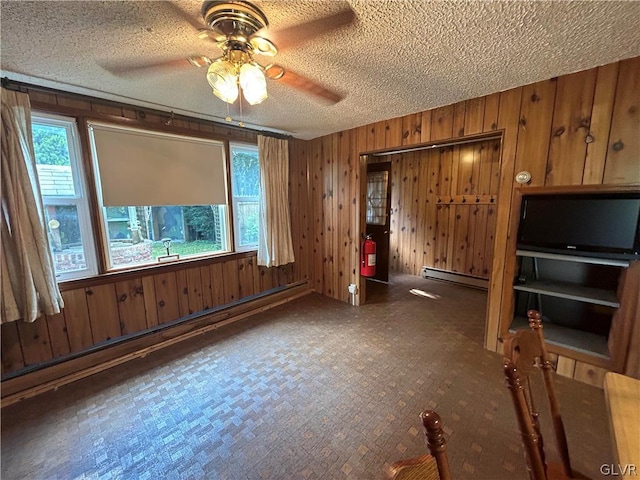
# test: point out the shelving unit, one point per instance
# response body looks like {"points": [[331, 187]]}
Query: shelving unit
{"points": [[575, 294], [597, 296]]}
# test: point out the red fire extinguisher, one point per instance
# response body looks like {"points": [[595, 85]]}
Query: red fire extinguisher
{"points": [[368, 257]]}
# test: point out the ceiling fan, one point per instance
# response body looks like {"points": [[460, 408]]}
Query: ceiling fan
{"points": [[236, 27]]}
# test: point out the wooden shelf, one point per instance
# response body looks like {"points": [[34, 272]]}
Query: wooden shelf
{"points": [[577, 340], [570, 291]]}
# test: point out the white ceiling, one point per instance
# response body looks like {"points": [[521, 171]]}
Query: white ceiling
{"points": [[400, 57]]}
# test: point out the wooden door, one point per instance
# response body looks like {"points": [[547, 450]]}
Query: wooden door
{"points": [[378, 210]]}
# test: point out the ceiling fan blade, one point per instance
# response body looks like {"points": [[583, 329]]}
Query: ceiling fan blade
{"points": [[294, 80], [196, 23], [124, 69], [296, 35]]}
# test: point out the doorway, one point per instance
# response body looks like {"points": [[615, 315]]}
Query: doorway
{"points": [[378, 213]]}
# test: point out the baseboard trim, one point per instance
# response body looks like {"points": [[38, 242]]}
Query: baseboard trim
{"points": [[454, 277], [50, 378]]}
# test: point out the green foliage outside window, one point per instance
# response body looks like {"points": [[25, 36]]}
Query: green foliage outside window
{"points": [[246, 173], [50, 145]]}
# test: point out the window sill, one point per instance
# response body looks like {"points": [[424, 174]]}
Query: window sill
{"points": [[153, 269]]}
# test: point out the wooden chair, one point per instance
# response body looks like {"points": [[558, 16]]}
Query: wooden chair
{"points": [[524, 352], [425, 467]]}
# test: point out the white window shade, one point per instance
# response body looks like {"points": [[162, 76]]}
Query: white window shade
{"points": [[139, 167]]}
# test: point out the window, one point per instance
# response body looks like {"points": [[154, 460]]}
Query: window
{"points": [[161, 195], [245, 188], [63, 190]]}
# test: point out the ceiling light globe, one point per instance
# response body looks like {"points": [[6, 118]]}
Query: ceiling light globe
{"points": [[253, 83], [221, 76]]}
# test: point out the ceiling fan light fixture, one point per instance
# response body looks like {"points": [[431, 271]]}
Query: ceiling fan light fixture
{"points": [[253, 83], [263, 46], [222, 78]]}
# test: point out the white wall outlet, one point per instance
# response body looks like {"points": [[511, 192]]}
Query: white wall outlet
{"points": [[353, 289]]}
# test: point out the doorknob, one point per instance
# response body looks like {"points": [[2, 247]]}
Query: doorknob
{"points": [[386, 231]]}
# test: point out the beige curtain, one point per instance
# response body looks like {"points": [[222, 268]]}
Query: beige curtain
{"points": [[29, 286], [274, 241]]}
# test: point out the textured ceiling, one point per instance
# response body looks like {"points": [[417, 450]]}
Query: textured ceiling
{"points": [[398, 58]]}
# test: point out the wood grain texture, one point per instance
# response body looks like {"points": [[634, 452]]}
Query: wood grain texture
{"points": [[76, 315], [474, 115], [603, 99], [536, 113], [622, 395], [166, 290], [103, 312], [570, 127], [411, 129], [442, 123], [624, 140], [150, 301], [34, 337], [58, 335], [131, 306]]}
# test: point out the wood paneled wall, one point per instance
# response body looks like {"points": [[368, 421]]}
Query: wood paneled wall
{"points": [[109, 307], [575, 129], [443, 204]]}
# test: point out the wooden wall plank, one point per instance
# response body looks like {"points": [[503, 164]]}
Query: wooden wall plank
{"points": [[395, 222], [166, 290], [217, 288], [150, 301], [571, 121], [245, 277], [379, 129], [12, 359], [76, 314], [58, 335], [442, 123], [393, 132], [317, 221], [474, 116], [231, 283], [459, 113], [624, 141], [411, 129], [491, 110], [425, 129], [534, 133], [103, 312], [194, 292], [131, 305], [34, 337], [603, 98], [207, 298], [182, 288]]}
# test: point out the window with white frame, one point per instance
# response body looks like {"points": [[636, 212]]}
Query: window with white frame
{"points": [[245, 188], [63, 190], [162, 196]]}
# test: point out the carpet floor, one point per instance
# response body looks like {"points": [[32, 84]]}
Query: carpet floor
{"points": [[313, 389]]}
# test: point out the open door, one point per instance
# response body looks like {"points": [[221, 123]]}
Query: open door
{"points": [[378, 214]]}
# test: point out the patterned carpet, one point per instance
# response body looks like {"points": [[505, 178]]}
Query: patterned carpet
{"points": [[314, 389]]}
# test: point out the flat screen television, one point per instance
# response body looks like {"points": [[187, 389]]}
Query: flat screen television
{"points": [[597, 225]]}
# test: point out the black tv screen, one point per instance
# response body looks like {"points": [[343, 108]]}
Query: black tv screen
{"points": [[589, 224]]}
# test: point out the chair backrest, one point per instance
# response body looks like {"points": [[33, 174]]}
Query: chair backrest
{"points": [[426, 467], [524, 353]]}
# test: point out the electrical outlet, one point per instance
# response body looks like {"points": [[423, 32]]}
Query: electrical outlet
{"points": [[353, 288]]}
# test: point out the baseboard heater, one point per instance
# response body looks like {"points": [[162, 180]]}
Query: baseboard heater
{"points": [[454, 277]]}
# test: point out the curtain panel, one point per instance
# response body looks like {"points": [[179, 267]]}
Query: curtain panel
{"points": [[29, 287], [274, 240]]}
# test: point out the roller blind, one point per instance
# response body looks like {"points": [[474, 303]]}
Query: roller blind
{"points": [[143, 168]]}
